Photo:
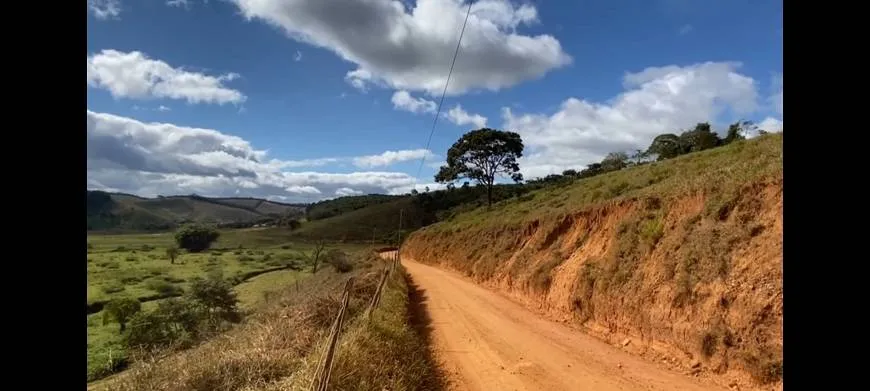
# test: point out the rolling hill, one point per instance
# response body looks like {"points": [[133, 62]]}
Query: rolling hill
{"points": [[117, 211]]}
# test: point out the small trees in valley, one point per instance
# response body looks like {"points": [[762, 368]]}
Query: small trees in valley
{"points": [[172, 254], [482, 155], [121, 310], [196, 238], [314, 257]]}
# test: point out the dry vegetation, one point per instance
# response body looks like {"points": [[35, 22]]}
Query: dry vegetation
{"points": [[278, 347], [683, 256]]}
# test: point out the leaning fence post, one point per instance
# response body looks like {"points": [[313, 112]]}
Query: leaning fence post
{"points": [[376, 298], [324, 369]]}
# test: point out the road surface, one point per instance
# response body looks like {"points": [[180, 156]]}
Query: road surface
{"points": [[485, 341]]}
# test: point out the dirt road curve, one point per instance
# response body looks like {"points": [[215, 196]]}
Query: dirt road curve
{"points": [[486, 342]]}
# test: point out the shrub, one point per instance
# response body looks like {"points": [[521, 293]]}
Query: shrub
{"points": [[764, 367], [121, 310], [130, 280], [113, 287], [163, 287], [173, 321], [196, 238], [339, 261], [217, 297]]}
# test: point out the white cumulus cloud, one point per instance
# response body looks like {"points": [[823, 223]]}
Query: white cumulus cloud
{"points": [[104, 9], [409, 46], [402, 100], [390, 157], [178, 3], [460, 117], [149, 159], [136, 76], [346, 191]]}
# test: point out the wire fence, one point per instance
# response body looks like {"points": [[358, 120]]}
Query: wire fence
{"points": [[320, 382]]}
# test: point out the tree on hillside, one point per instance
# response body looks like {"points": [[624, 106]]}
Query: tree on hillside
{"points": [[666, 146], [614, 161], [700, 138], [737, 131], [196, 238], [591, 170], [121, 310], [638, 156], [481, 155]]}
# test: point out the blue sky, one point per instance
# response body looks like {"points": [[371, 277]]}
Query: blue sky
{"points": [[301, 100]]}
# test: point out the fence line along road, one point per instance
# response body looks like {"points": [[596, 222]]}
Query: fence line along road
{"points": [[324, 368], [320, 382]]}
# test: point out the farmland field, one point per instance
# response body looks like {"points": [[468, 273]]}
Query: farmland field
{"points": [[137, 266]]}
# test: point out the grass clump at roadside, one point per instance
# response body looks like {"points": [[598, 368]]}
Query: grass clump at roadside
{"points": [[280, 344]]}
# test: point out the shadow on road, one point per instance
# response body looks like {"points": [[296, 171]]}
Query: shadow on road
{"points": [[422, 323]]}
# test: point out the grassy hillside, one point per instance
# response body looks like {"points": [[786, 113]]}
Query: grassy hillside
{"points": [[682, 258], [337, 206], [114, 211], [379, 220], [721, 170]]}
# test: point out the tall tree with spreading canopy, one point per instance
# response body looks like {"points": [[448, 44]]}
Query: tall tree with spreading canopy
{"points": [[482, 155]]}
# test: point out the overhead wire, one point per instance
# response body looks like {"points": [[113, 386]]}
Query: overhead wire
{"points": [[443, 94]]}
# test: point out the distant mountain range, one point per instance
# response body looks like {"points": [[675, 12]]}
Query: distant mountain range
{"points": [[118, 211]]}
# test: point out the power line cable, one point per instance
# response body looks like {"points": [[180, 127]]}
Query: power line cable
{"points": [[443, 94]]}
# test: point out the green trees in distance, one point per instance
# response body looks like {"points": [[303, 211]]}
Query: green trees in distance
{"points": [[664, 146], [121, 310], [482, 155], [701, 137], [196, 238]]}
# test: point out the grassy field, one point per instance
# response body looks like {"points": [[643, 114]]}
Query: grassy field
{"points": [[137, 266], [280, 344]]}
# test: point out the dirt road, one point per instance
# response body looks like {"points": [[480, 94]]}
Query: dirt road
{"points": [[484, 341]]}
